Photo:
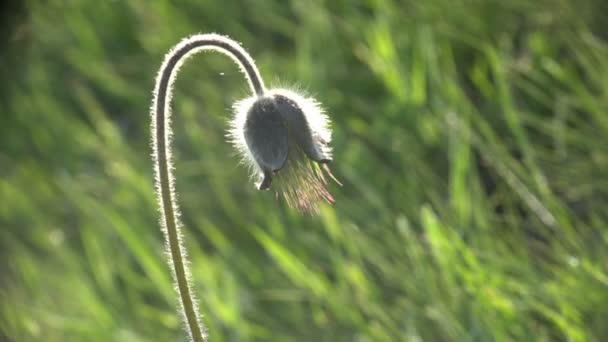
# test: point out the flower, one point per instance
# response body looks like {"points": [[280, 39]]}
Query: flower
{"points": [[284, 138]]}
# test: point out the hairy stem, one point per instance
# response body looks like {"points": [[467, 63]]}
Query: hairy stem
{"points": [[161, 141]]}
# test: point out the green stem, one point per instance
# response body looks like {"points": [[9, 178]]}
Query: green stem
{"points": [[161, 134]]}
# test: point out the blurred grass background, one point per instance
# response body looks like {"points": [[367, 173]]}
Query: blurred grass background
{"points": [[471, 137]]}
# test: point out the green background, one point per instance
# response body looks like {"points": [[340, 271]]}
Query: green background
{"points": [[471, 137]]}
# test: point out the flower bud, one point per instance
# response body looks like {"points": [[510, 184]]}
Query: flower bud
{"points": [[284, 138]]}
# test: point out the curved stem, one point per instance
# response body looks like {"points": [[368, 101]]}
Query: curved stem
{"points": [[161, 135]]}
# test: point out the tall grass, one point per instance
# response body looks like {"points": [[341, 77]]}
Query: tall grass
{"points": [[471, 138]]}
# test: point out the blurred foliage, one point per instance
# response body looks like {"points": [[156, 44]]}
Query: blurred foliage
{"points": [[471, 137]]}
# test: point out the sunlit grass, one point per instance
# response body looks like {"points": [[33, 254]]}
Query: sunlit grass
{"points": [[471, 138]]}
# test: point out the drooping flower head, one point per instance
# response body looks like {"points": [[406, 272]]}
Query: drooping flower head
{"points": [[284, 138]]}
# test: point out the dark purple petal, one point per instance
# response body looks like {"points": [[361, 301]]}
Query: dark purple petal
{"points": [[266, 135], [299, 129]]}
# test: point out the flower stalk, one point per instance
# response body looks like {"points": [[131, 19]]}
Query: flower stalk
{"points": [[283, 136], [161, 143]]}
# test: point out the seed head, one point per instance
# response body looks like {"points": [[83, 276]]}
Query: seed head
{"points": [[284, 139]]}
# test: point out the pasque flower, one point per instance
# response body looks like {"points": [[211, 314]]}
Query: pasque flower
{"points": [[284, 137]]}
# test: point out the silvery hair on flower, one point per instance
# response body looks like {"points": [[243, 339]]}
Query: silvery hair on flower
{"points": [[284, 137]]}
